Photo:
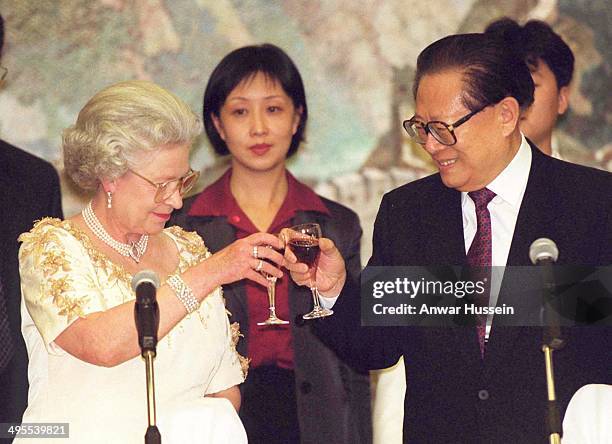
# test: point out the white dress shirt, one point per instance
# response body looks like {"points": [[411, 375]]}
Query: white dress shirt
{"points": [[509, 187]]}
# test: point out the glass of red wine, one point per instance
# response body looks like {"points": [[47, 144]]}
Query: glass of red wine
{"points": [[272, 318], [304, 244]]}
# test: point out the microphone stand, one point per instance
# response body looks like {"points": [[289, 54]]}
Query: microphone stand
{"points": [[152, 436], [552, 340], [146, 315], [552, 414]]}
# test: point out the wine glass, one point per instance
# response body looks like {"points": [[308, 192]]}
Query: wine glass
{"points": [[304, 243], [272, 318]]}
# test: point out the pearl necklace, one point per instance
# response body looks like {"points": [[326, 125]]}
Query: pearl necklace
{"points": [[135, 250]]}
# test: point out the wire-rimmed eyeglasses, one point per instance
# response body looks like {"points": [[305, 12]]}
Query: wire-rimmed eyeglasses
{"points": [[167, 189]]}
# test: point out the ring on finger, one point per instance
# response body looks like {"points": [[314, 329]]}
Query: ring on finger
{"points": [[255, 252], [259, 265]]}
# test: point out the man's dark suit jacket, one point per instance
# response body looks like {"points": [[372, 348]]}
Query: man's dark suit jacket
{"points": [[29, 190], [453, 396], [326, 388]]}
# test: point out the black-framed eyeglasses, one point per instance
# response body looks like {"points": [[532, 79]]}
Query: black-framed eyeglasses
{"points": [[441, 131], [167, 189]]}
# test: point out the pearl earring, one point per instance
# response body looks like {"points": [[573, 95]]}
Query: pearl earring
{"points": [[109, 199]]}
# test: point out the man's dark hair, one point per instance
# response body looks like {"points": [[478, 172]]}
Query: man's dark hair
{"points": [[536, 42], [243, 64], [491, 69]]}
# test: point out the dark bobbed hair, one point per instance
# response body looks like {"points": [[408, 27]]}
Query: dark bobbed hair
{"points": [[535, 42], [491, 69], [243, 64]]}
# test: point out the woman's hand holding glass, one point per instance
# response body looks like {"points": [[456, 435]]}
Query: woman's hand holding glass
{"points": [[236, 262]]}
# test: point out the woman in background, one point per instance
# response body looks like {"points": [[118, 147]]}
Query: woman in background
{"points": [[131, 145], [255, 110]]}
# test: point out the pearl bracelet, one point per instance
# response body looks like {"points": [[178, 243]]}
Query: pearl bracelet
{"points": [[183, 293]]}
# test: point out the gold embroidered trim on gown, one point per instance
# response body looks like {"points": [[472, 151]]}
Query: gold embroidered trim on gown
{"points": [[40, 241], [236, 335]]}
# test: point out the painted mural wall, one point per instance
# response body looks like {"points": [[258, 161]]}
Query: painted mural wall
{"points": [[357, 58]]}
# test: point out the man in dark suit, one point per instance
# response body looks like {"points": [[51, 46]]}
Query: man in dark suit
{"points": [[29, 191], [495, 194]]}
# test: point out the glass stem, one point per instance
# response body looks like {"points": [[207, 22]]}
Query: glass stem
{"points": [[315, 298], [272, 299]]}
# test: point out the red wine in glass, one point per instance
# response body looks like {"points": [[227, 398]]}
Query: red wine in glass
{"points": [[306, 251], [304, 244]]}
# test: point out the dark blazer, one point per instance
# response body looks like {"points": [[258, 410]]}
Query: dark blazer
{"points": [[326, 388], [29, 190], [452, 394]]}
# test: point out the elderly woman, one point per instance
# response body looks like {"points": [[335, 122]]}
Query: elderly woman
{"points": [[255, 111], [131, 145]]}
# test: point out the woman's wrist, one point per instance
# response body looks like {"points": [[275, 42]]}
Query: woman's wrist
{"points": [[202, 279]]}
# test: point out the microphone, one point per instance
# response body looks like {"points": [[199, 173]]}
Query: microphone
{"points": [[544, 252], [146, 310]]}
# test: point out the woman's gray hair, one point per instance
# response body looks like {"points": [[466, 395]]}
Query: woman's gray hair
{"points": [[120, 122]]}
